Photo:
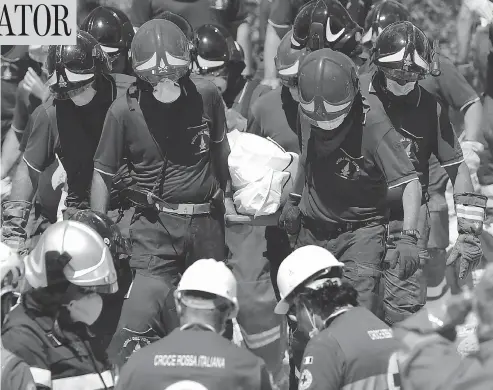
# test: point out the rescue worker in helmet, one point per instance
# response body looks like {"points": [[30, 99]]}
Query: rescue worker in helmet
{"points": [[281, 19], [196, 355], [50, 329], [114, 32], [221, 60], [120, 249], [403, 56], [67, 126], [349, 346], [174, 136], [454, 92], [15, 372]]}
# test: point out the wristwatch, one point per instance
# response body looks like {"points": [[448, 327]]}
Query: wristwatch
{"points": [[412, 232]]}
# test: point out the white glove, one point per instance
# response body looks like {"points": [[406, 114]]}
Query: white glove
{"points": [[470, 150]]}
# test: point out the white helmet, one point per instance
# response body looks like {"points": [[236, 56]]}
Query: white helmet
{"points": [[74, 252], [300, 267], [209, 276]]}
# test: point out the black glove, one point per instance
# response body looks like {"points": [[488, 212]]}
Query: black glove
{"points": [[470, 216], [403, 251], [290, 218], [15, 217]]}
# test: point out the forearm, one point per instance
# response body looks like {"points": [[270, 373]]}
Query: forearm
{"points": [[243, 38], [220, 154], [460, 178], [299, 181], [472, 122], [411, 203], [270, 50], [464, 27], [10, 152], [25, 183], [100, 192]]}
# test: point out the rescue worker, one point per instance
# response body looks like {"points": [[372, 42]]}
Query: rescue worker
{"points": [[428, 357], [281, 18], [231, 14], [180, 173], [403, 56], [327, 24], [349, 346], [15, 62], [195, 356], [454, 92], [16, 374], [67, 126], [220, 59], [50, 329], [120, 249], [114, 32]]}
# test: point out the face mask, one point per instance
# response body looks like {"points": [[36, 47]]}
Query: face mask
{"points": [[84, 97], [400, 90], [167, 91], [332, 124], [86, 309]]}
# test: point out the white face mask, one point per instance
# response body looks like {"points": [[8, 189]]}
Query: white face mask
{"points": [[86, 309], [167, 91], [332, 124], [84, 97], [400, 90]]}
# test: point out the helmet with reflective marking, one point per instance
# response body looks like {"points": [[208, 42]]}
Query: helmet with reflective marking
{"points": [[111, 28], [216, 49], [328, 84], [326, 24], [72, 68], [74, 252], [383, 14], [288, 60], [160, 50], [403, 52]]}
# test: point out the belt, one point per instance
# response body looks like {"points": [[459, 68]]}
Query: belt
{"points": [[183, 208], [334, 229]]}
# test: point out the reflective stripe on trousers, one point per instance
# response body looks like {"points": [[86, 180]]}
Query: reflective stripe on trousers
{"points": [[81, 382]]}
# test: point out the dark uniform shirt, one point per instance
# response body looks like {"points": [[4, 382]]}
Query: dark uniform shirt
{"points": [[351, 183], [274, 116], [14, 66], [60, 128], [69, 362], [194, 359], [452, 90], [16, 374], [197, 12], [423, 126], [352, 353], [166, 143]]}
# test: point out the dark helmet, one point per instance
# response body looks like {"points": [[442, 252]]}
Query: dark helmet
{"points": [[111, 28], [383, 14], [288, 61], [160, 50], [6, 49], [217, 50], [181, 22], [403, 52], [71, 68], [326, 24], [327, 84], [107, 229]]}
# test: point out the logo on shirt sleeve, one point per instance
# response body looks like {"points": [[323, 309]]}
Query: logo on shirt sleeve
{"points": [[306, 380], [308, 360]]}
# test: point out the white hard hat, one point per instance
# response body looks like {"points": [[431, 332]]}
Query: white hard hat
{"points": [[298, 268], [210, 276]]}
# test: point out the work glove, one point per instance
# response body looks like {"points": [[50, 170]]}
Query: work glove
{"points": [[15, 217], [403, 252], [470, 209], [290, 218]]}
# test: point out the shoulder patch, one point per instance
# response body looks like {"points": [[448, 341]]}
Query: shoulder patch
{"points": [[306, 379]]}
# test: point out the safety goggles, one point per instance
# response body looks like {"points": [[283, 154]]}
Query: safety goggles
{"points": [[402, 75], [69, 91], [155, 79]]}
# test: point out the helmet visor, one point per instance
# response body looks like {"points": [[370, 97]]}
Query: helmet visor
{"points": [[100, 289], [154, 79], [402, 75]]}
